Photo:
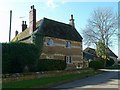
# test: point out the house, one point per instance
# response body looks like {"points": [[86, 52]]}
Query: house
{"points": [[90, 54], [60, 41], [112, 55]]}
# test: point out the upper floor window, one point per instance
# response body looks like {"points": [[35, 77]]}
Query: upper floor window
{"points": [[68, 44], [50, 42]]}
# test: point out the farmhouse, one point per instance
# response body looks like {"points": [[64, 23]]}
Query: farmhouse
{"points": [[60, 41]]}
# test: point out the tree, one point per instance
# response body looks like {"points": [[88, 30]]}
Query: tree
{"points": [[100, 28], [101, 52]]}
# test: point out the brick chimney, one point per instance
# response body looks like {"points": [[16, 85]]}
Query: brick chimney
{"points": [[24, 25], [16, 33], [32, 19], [72, 21]]}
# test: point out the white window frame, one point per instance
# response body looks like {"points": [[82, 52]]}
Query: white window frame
{"points": [[50, 42], [68, 59], [68, 44]]}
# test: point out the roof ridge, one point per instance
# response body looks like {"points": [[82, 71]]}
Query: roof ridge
{"points": [[57, 21]]}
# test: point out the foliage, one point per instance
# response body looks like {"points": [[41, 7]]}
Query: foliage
{"points": [[16, 56], [38, 41], [101, 50], [50, 64], [96, 64], [115, 66], [110, 62]]}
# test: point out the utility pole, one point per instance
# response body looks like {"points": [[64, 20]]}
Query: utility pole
{"points": [[10, 25]]}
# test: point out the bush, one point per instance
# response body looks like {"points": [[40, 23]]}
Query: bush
{"points": [[118, 62], [50, 64], [96, 64], [16, 56], [109, 62], [117, 66]]}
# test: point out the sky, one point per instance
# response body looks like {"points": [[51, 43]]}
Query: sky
{"points": [[59, 10]]}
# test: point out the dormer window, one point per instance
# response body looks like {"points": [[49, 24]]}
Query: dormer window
{"points": [[68, 44], [50, 42]]}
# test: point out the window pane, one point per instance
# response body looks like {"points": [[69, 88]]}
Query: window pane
{"points": [[50, 42], [68, 44]]}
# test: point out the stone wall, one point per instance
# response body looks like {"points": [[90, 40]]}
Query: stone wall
{"points": [[58, 50]]}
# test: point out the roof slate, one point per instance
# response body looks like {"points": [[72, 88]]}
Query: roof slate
{"points": [[53, 28]]}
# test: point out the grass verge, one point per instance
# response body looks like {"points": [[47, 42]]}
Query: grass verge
{"points": [[46, 81]]}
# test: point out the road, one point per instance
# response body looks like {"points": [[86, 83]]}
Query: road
{"points": [[109, 80]]}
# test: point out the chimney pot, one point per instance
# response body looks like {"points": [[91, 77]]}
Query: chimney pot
{"points": [[33, 6], [25, 22], [16, 33], [22, 22], [71, 16], [71, 21], [24, 25]]}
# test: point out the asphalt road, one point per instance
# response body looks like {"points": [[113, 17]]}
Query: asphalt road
{"points": [[109, 80]]}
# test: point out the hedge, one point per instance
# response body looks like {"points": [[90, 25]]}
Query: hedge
{"points": [[50, 65], [17, 56], [110, 62], [96, 64]]}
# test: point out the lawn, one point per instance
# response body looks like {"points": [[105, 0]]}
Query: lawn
{"points": [[46, 81]]}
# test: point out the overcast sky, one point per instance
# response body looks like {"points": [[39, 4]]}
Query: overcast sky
{"points": [[59, 10]]}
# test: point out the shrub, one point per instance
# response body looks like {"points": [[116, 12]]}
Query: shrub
{"points": [[116, 66], [50, 64], [110, 62], [118, 62], [16, 56], [96, 64]]}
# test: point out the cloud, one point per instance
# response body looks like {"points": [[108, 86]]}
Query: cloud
{"points": [[51, 3]]}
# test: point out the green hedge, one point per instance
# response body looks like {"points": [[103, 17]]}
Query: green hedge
{"points": [[96, 64], [110, 62], [16, 56], [50, 64]]}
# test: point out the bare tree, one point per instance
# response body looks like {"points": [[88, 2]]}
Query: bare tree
{"points": [[102, 25]]}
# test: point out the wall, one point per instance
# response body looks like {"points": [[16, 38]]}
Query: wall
{"points": [[58, 50]]}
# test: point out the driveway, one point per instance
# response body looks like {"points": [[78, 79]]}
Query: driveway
{"points": [[109, 80]]}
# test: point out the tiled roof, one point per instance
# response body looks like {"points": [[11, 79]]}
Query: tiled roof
{"points": [[53, 28], [25, 33], [57, 29]]}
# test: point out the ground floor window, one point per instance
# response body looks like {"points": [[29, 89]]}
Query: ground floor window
{"points": [[68, 59]]}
